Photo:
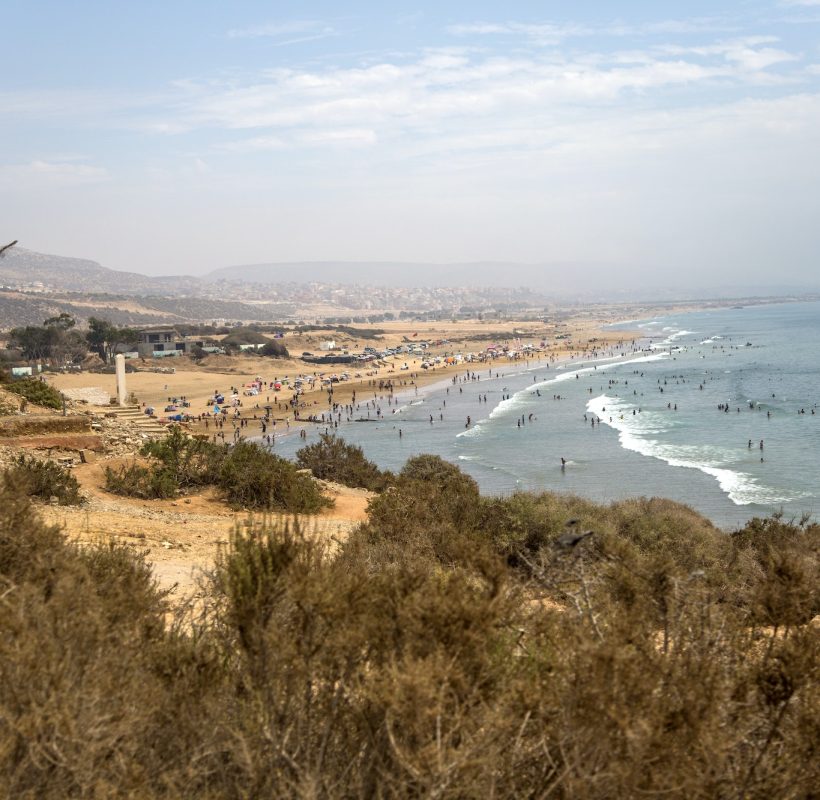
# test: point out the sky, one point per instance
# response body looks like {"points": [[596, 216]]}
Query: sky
{"points": [[651, 142]]}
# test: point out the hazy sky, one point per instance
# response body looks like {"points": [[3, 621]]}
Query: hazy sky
{"points": [[663, 139]]}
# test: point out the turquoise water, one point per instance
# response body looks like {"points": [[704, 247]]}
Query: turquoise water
{"points": [[661, 430]]}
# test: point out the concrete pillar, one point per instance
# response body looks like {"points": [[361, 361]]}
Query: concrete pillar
{"points": [[119, 360]]}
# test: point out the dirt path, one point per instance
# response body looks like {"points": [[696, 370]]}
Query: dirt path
{"points": [[181, 537]]}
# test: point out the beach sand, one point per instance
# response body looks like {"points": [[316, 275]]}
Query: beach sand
{"points": [[218, 373]]}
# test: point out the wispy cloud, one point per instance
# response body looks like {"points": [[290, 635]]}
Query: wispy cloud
{"points": [[286, 33], [690, 140], [750, 52], [545, 32], [553, 32], [457, 87], [420, 101]]}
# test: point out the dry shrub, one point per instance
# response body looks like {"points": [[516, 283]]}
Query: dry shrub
{"points": [[78, 693], [333, 459], [191, 462], [778, 570], [337, 667], [252, 477], [249, 476], [36, 391], [137, 480], [418, 662], [430, 514], [45, 480]]}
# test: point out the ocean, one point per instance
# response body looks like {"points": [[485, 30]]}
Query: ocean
{"points": [[704, 409]]}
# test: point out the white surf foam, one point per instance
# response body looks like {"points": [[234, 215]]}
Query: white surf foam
{"points": [[634, 432], [522, 397], [672, 337]]}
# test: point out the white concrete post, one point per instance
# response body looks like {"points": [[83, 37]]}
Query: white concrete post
{"points": [[119, 360]]}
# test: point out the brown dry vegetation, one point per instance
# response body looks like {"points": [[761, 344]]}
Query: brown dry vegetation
{"points": [[449, 648]]}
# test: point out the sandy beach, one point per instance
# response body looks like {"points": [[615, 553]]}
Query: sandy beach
{"points": [[198, 383]]}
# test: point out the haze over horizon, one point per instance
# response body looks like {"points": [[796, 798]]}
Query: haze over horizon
{"points": [[667, 144]]}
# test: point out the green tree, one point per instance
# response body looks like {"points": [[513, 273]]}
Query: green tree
{"points": [[103, 336], [197, 353], [275, 350], [53, 341], [35, 342], [63, 321], [69, 345]]}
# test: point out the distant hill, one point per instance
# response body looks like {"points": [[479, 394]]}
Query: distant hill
{"points": [[564, 281], [49, 285], [43, 285], [17, 308], [22, 267], [391, 273]]}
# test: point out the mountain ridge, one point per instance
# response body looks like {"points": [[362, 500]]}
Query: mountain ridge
{"points": [[564, 281], [21, 266], [405, 274]]}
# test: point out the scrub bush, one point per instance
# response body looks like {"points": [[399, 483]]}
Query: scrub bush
{"points": [[146, 483], [333, 459], [190, 462], [254, 478], [416, 659], [36, 391], [275, 350], [44, 480]]}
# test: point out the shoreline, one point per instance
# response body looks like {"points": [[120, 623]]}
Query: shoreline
{"points": [[715, 471], [197, 384], [435, 383]]}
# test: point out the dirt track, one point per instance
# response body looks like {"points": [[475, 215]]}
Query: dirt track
{"points": [[182, 536]]}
